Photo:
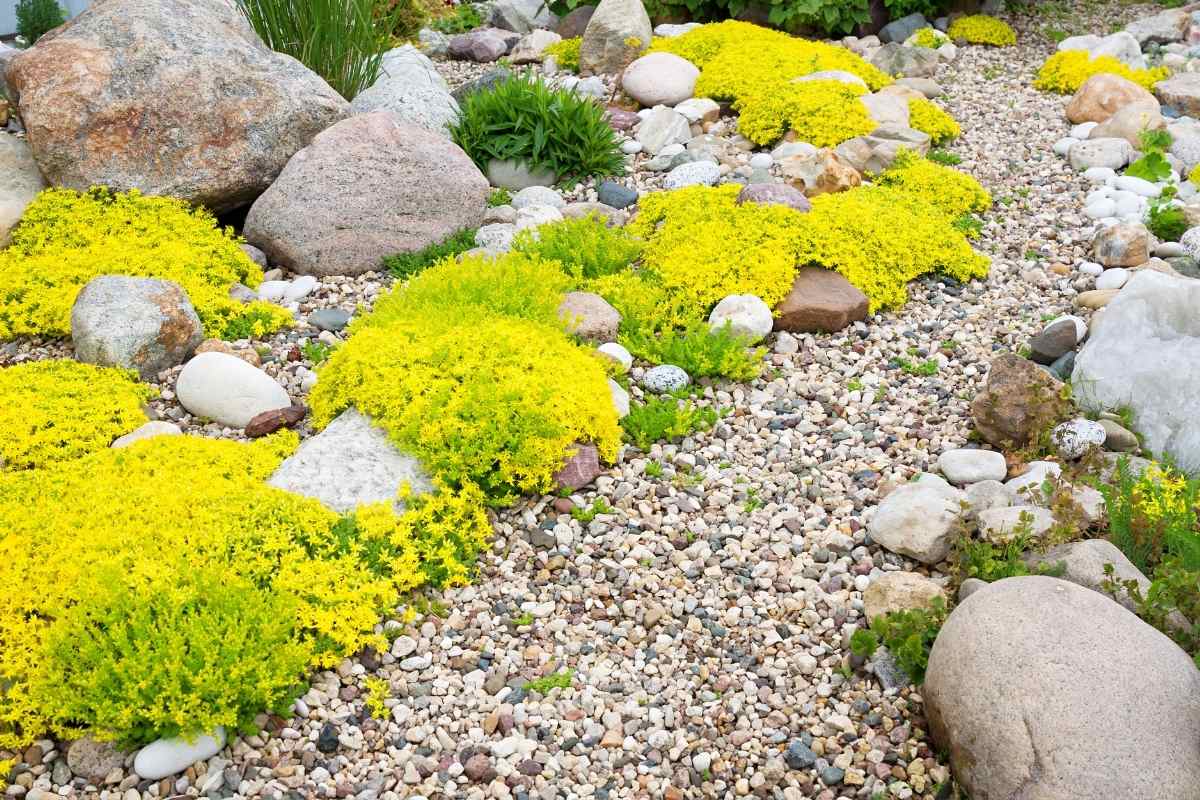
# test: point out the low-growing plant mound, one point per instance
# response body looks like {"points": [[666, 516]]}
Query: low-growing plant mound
{"points": [[586, 248], [566, 53], [822, 113], [1065, 72], [55, 411], [956, 193], [928, 117], [982, 29], [522, 119], [67, 238], [177, 592]]}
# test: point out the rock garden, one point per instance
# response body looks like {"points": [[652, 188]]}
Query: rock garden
{"points": [[408, 399]]}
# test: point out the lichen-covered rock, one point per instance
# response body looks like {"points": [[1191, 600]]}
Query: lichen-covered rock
{"points": [[364, 190], [1040, 688], [173, 97], [1019, 401], [616, 34], [1142, 354], [145, 324]]}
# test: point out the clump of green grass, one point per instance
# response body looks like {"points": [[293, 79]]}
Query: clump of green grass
{"points": [[944, 157], [697, 350], [559, 680], [665, 419], [406, 265], [585, 515]]}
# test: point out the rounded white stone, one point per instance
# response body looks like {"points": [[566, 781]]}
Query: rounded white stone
{"points": [[226, 389]]}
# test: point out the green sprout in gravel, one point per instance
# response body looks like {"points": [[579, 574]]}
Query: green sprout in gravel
{"points": [[559, 680], [597, 508], [665, 419]]}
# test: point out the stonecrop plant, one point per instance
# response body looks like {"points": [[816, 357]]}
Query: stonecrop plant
{"points": [[930, 38], [1066, 71], [955, 193], [56, 411], [67, 238], [522, 119], [822, 113], [177, 592], [982, 29], [566, 53], [930, 118]]}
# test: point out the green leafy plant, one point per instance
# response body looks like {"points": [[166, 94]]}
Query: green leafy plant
{"points": [[908, 636], [1152, 516], [500, 197], [944, 157], [340, 40], [463, 19], [523, 620], [1165, 219], [559, 680], [316, 351], [585, 515], [37, 17], [587, 248], [405, 265], [654, 469], [831, 16], [925, 368], [665, 419], [978, 558], [1153, 165], [928, 8], [1171, 603], [697, 350], [521, 119]]}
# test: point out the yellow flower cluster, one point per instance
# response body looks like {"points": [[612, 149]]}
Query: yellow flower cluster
{"points": [[928, 117], [822, 113], [982, 29], [1160, 492], [67, 238], [755, 66], [1194, 176], [469, 368], [955, 193], [930, 38], [175, 591], [1066, 71], [53, 411], [566, 53]]}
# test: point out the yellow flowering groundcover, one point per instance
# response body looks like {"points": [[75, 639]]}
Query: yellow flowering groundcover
{"points": [[67, 238], [928, 117], [1065, 72], [175, 591], [54, 411], [982, 29]]}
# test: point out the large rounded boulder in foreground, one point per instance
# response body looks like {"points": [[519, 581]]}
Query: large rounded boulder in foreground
{"points": [[369, 187], [172, 97], [1045, 690]]}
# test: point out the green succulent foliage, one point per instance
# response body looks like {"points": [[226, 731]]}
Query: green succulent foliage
{"points": [[908, 635], [36, 17], [464, 18], [405, 265], [665, 419], [586, 247], [522, 119], [698, 351], [928, 8]]}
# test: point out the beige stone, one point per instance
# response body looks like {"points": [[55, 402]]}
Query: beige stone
{"points": [[899, 591], [1104, 94], [822, 172]]}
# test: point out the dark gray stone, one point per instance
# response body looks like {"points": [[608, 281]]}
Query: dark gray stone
{"points": [[1053, 342], [614, 194], [329, 319], [484, 81], [799, 755], [900, 29]]}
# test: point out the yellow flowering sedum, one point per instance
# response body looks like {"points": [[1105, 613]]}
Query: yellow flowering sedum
{"points": [[175, 591], [822, 113], [1065, 72], [928, 117], [1194, 177], [66, 238], [982, 29], [955, 193], [930, 38], [53, 411], [566, 53]]}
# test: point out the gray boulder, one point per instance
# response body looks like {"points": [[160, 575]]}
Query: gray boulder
{"points": [[1040, 688], [919, 519], [900, 29], [1084, 562], [483, 45], [145, 324], [410, 87], [522, 16], [589, 316], [1162, 28], [1181, 91], [364, 190], [909, 62], [1142, 353], [348, 464], [174, 97], [615, 35], [20, 182]]}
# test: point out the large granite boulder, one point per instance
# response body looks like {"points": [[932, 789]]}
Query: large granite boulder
{"points": [[20, 182], [410, 87], [1142, 354], [522, 16], [367, 188], [144, 324], [1103, 95], [172, 97], [1040, 688], [1162, 28], [615, 35], [909, 62], [348, 464]]}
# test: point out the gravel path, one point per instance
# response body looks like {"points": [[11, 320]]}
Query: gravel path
{"points": [[704, 616]]}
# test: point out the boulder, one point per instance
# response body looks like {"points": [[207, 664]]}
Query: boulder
{"points": [[537, 196], [899, 591], [985, 495], [886, 109], [1129, 122], [823, 172], [660, 79], [517, 175], [485, 81], [581, 468], [529, 50], [662, 126], [692, 173], [612, 217], [1162, 28], [350, 463], [1056, 339], [618, 355], [270, 421], [665, 378], [1181, 91], [1018, 402], [1142, 353], [589, 316], [774, 194], [20, 182], [907, 62], [1104, 153], [410, 87], [615, 35], [165, 757], [1185, 144], [820, 301], [173, 97], [364, 190], [522, 16], [1084, 562], [1124, 245], [746, 314], [919, 519], [482, 45], [227, 390], [1040, 688], [93, 760], [900, 29], [1074, 438], [1120, 45], [620, 398], [839, 75], [1000, 525], [147, 431], [699, 109], [144, 324], [1103, 95], [572, 24], [972, 465]]}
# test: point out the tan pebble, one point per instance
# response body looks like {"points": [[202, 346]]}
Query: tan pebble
{"points": [[1096, 298]]}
